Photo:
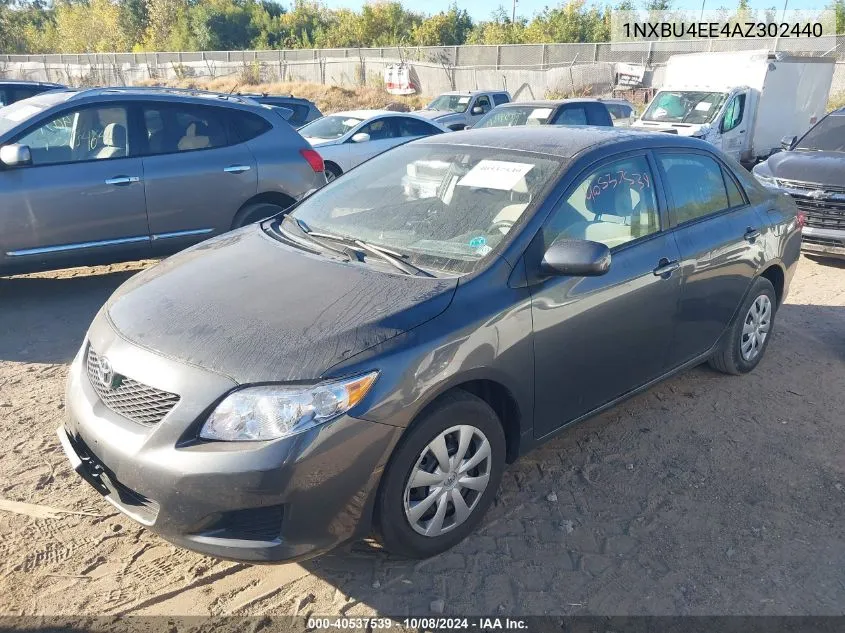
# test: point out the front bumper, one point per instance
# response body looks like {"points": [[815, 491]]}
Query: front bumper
{"points": [[252, 501], [823, 242]]}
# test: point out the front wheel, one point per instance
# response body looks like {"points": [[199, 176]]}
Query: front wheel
{"points": [[743, 346], [442, 477]]}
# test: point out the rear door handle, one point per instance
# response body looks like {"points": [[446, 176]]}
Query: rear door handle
{"points": [[665, 268], [751, 234], [122, 180], [237, 169]]}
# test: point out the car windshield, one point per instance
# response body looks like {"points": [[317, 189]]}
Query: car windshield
{"points": [[827, 136], [516, 115], [685, 106], [330, 126], [13, 115], [442, 207], [452, 103]]}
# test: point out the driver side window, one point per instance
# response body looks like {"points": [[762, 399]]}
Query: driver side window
{"points": [[733, 113], [483, 102], [379, 129], [81, 135], [613, 204]]}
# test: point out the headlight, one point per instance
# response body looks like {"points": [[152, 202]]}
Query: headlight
{"points": [[276, 411], [766, 181]]}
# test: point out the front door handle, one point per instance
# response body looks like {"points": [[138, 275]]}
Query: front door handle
{"points": [[122, 180], [665, 268], [751, 234], [237, 169]]}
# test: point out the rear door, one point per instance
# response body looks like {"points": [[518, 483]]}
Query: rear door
{"points": [[197, 172], [718, 234], [597, 114], [82, 198]]}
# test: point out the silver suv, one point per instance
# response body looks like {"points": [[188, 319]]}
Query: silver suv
{"points": [[114, 174]]}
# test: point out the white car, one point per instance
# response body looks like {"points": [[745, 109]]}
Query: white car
{"points": [[347, 139]]}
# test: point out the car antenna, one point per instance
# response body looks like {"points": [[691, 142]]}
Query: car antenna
{"points": [[235, 87]]}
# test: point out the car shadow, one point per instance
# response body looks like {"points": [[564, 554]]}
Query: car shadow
{"points": [[44, 318]]}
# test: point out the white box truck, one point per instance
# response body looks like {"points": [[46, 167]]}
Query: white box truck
{"points": [[743, 102]]}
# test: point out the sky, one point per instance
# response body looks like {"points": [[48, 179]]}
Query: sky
{"points": [[481, 9]]}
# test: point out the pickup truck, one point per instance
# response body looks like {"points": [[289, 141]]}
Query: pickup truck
{"points": [[457, 110]]}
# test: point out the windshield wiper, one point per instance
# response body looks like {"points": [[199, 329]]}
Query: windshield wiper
{"points": [[398, 260], [394, 258]]}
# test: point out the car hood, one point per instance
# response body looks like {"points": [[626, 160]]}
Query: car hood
{"points": [[316, 141], [437, 114], [818, 167], [254, 309]]}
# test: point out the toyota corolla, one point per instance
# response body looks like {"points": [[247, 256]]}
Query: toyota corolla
{"points": [[371, 361]]}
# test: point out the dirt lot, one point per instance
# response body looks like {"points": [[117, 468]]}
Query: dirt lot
{"points": [[708, 494]]}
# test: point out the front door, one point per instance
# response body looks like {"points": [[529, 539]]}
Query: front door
{"points": [[82, 198], [718, 233], [196, 175], [384, 134], [734, 127], [597, 338]]}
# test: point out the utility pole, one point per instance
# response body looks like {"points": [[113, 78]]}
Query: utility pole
{"points": [[702, 10], [513, 13]]}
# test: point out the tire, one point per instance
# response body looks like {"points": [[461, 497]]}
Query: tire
{"points": [[460, 413], [254, 213], [332, 172], [734, 354]]}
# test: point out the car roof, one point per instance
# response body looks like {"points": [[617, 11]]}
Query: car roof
{"points": [[547, 103], [156, 93], [369, 114], [26, 82], [562, 141], [474, 92]]}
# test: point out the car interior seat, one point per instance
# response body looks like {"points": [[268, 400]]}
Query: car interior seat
{"points": [[196, 137], [512, 212], [114, 142]]}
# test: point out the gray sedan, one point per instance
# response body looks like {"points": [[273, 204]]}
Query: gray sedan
{"points": [[372, 359]]}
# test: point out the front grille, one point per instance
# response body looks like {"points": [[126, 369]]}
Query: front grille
{"points": [[822, 214], [809, 186], [826, 212], [129, 398], [823, 241], [252, 524]]}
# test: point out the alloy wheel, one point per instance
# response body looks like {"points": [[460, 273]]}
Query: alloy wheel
{"points": [[755, 328], [448, 480]]}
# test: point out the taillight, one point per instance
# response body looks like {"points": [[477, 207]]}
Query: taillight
{"points": [[800, 219], [314, 159]]}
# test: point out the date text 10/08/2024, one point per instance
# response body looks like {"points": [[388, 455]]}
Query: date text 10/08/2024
{"points": [[425, 623]]}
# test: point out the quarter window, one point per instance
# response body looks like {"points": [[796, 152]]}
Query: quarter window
{"points": [[245, 127], [696, 185], [172, 129], [614, 204], [81, 135]]}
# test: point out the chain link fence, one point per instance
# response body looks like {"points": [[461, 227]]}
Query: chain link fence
{"points": [[535, 70]]}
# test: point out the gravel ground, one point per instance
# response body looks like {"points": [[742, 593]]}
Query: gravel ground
{"points": [[708, 494]]}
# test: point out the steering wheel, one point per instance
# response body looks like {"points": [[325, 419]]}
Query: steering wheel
{"points": [[501, 224]]}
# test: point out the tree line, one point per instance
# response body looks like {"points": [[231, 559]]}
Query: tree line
{"points": [[86, 26]]}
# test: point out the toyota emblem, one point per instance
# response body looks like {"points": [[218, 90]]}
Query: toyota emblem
{"points": [[105, 373]]}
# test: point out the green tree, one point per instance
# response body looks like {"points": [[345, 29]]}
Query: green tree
{"points": [[446, 28]]}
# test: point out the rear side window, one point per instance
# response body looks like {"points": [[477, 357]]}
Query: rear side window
{"points": [[572, 115], [500, 98], [414, 127], [696, 185], [598, 114], [244, 126], [173, 128]]}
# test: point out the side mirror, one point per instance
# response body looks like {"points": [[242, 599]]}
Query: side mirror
{"points": [[361, 137], [788, 142], [477, 110], [15, 155], [581, 258]]}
